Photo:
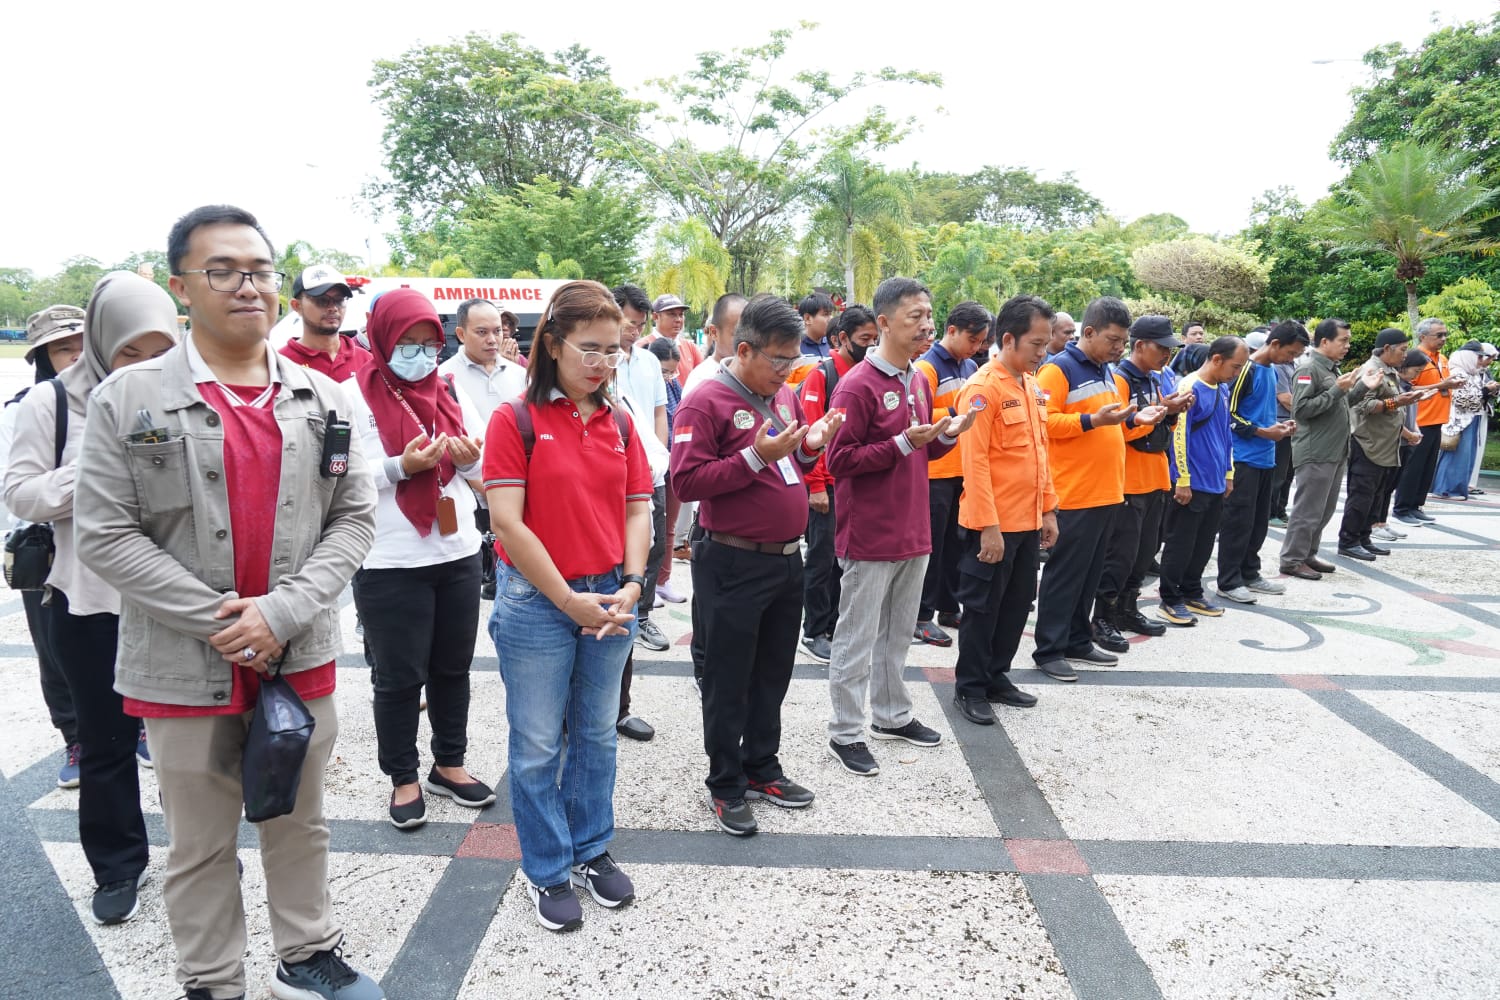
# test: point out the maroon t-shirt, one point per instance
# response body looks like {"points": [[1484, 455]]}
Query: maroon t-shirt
{"points": [[340, 367], [879, 492], [252, 469], [712, 428]]}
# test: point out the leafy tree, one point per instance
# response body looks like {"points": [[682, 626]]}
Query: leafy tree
{"points": [[566, 269], [1470, 307], [967, 265], [15, 296], [71, 286], [491, 113], [688, 261], [859, 214], [414, 245], [1200, 269], [1279, 233], [751, 172], [1411, 203], [1445, 93], [1012, 196], [595, 226]]}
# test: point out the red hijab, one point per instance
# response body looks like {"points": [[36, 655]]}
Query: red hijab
{"points": [[430, 399]]}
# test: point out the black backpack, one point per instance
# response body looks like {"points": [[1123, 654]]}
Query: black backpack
{"points": [[527, 430]]}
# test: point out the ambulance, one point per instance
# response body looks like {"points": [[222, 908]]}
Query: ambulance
{"points": [[527, 298]]}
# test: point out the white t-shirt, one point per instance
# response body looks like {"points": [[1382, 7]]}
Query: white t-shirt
{"points": [[397, 544], [701, 373], [640, 379]]}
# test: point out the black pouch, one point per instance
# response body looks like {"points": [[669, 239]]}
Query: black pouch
{"points": [[28, 556], [275, 749]]}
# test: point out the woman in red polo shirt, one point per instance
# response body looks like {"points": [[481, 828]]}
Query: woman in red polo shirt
{"points": [[571, 510]]}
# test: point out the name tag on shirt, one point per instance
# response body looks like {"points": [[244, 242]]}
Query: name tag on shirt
{"points": [[788, 471]]}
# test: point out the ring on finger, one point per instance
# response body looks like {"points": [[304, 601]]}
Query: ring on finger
{"points": [[247, 654]]}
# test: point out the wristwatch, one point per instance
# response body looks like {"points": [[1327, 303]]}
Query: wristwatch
{"points": [[635, 578]]}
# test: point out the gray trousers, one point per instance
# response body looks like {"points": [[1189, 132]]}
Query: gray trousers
{"points": [[877, 615], [1312, 508]]}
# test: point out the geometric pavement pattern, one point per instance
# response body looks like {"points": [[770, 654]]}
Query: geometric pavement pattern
{"points": [[1299, 799]]}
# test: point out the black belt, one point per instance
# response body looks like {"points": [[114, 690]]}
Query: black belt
{"points": [[768, 548]]}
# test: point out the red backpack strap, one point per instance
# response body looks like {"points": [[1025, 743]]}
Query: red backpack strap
{"points": [[523, 424], [623, 422]]}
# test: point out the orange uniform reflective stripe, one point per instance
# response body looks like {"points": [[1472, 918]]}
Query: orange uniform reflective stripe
{"points": [[1007, 480]]}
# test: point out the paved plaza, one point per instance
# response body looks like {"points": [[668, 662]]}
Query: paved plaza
{"points": [[1296, 800]]}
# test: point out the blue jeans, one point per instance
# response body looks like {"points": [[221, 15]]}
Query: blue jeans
{"points": [[552, 671]]}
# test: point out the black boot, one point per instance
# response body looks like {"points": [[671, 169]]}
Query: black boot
{"points": [[1106, 636], [1128, 617]]}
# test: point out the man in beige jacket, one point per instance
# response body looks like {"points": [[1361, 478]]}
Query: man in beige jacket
{"points": [[208, 501]]}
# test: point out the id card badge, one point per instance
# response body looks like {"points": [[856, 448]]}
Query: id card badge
{"points": [[788, 471], [447, 516]]}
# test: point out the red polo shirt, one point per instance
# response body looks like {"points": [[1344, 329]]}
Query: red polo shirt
{"points": [[252, 467], [341, 367], [580, 478]]}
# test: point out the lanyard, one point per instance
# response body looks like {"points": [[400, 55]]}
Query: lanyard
{"points": [[438, 468]]}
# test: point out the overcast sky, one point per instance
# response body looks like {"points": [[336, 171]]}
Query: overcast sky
{"points": [[122, 118]]}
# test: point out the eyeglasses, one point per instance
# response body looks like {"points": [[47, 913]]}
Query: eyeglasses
{"points": [[593, 359], [228, 279], [410, 351], [778, 365], [322, 301]]}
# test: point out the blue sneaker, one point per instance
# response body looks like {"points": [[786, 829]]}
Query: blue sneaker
{"points": [[67, 775], [324, 976], [142, 751], [1176, 614], [1203, 607]]}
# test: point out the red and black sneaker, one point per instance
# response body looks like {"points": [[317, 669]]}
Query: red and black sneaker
{"points": [[733, 816], [780, 792]]}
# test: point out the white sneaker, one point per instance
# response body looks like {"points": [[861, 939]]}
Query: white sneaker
{"points": [[1263, 586], [666, 593], [1385, 534]]}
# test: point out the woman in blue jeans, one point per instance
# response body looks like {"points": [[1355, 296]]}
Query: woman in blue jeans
{"points": [[570, 504]]}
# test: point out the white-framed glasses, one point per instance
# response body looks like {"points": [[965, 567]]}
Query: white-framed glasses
{"points": [[593, 359]]}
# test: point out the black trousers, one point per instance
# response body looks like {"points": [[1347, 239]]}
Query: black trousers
{"points": [[1132, 544], [1153, 513], [1070, 581], [752, 610], [1247, 515], [1368, 487], [941, 579], [820, 589], [1383, 506], [997, 600], [54, 682], [1281, 489], [1416, 475], [487, 558], [1191, 529], [110, 825], [695, 648], [421, 623]]}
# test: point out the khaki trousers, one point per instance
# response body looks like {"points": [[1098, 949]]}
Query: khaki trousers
{"points": [[198, 771]]}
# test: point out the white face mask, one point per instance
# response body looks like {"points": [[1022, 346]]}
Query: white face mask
{"points": [[413, 362]]}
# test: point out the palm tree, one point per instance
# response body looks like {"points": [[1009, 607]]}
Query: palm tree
{"points": [[1413, 203], [689, 262], [860, 213]]}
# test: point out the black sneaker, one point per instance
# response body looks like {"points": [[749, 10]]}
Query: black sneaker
{"points": [[1058, 670], [818, 647], [1094, 657], [855, 757], [609, 886], [409, 816], [557, 906], [932, 635], [733, 816], [324, 976], [913, 732], [1003, 692], [469, 794], [781, 792], [116, 902], [950, 619]]}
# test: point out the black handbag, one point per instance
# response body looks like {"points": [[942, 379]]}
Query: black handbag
{"points": [[29, 551], [275, 749]]}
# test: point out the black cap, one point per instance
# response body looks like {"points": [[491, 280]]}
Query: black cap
{"points": [[1157, 329], [1390, 337], [1414, 359]]}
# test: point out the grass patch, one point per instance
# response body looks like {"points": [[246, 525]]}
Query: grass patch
{"points": [[13, 350]]}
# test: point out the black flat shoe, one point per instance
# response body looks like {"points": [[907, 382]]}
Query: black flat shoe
{"points": [[976, 710], [409, 816], [469, 794], [1006, 693]]}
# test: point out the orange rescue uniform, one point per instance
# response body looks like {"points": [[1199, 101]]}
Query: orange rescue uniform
{"points": [[1007, 481], [1145, 471], [1437, 409]]}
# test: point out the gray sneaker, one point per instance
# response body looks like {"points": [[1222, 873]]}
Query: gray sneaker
{"points": [[609, 886], [650, 636], [1263, 586], [557, 906], [1239, 595], [324, 976], [913, 732]]}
